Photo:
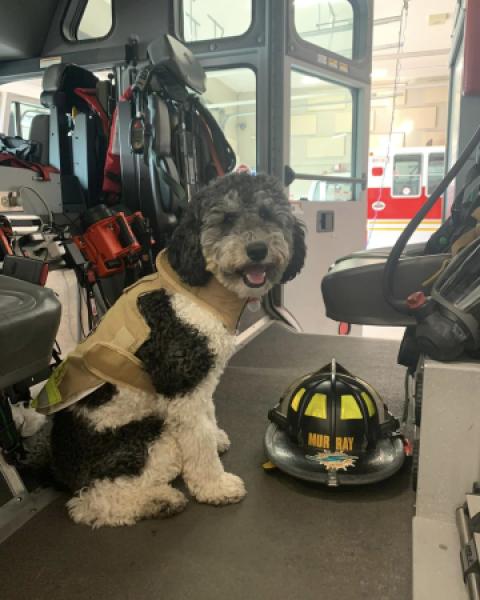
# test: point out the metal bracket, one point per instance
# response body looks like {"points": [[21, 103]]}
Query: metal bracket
{"points": [[24, 505], [12, 478], [17, 511], [468, 523]]}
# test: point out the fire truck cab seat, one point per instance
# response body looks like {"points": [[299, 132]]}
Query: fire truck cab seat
{"points": [[40, 133], [31, 316], [352, 289], [77, 143]]}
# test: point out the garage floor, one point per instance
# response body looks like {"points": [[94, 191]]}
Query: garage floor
{"points": [[286, 541]]}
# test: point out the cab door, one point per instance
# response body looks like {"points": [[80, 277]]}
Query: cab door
{"points": [[289, 82], [327, 69]]}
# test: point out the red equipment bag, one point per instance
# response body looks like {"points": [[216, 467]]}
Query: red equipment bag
{"points": [[44, 171]]}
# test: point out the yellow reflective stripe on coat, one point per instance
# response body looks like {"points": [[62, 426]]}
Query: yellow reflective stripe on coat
{"points": [[50, 393]]}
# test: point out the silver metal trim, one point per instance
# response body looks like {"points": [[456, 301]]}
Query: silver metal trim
{"points": [[12, 478], [15, 513], [242, 339], [472, 580]]}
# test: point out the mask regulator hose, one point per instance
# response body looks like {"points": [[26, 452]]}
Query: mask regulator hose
{"points": [[394, 256]]}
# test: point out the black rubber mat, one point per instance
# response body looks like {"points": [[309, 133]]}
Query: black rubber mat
{"points": [[287, 540]]}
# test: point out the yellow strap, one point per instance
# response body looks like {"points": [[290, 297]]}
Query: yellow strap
{"points": [[431, 280], [458, 245], [465, 239], [268, 466]]}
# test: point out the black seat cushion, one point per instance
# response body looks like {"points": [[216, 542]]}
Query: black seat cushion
{"points": [[352, 289], [40, 133], [59, 83], [29, 320]]}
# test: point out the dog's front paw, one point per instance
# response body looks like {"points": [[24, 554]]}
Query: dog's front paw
{"points": [[223, 441], [228, 489]]}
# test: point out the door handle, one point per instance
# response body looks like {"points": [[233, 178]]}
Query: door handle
{"points": [[325, 221]]}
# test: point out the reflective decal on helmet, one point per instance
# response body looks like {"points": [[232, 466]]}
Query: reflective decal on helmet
{"points": [[334, 461], [296, 399], [318, 440], [372, 409], [317, 407], [349, 408], [344, 444]]}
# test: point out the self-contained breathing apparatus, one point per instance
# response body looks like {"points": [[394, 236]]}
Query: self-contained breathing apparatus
{"points": [[167, 142], [448, 319]]}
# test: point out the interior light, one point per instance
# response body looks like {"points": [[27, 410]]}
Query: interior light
{"points": [[406, 126]]}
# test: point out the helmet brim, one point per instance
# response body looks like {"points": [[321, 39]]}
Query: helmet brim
{"points": [[372, 466]]}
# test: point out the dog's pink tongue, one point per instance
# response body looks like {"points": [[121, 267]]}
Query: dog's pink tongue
{"points": [[255, 274]]}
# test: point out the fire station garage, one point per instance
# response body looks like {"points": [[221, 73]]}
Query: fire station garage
{"points": [[239, 299]]}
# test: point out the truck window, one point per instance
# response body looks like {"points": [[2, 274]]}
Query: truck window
{"points": [[21, 115], [96, 21], [407, 175], [436, 168]]}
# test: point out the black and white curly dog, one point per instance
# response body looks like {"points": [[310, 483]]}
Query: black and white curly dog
{"points": [[118, 451]]}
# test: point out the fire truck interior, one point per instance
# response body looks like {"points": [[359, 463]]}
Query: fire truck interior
{"points": [[123, 117]]}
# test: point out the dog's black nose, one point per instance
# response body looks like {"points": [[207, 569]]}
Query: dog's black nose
{"points": [[257, 251]]}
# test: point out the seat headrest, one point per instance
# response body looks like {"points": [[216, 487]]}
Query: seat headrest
{"points": [[40, 133], [59, 82]]}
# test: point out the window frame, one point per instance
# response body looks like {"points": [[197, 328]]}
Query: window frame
{"points": [[30, 107], [428, 189], [73, 17], [341, 57], [420, 176], [12, 99], [253, 69], [181, 26], [13, 108], [354, 179]]}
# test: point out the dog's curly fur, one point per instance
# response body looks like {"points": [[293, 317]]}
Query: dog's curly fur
{"points": [[119, 451], [176, 355]]}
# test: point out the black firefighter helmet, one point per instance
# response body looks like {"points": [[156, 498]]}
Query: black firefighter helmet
{"points": [[332, 427]]}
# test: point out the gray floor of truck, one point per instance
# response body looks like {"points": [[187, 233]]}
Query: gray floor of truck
{"points": [[287, 540]]}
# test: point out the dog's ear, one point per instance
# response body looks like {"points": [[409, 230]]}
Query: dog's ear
{"points": [[298, 253], [185, 251]]}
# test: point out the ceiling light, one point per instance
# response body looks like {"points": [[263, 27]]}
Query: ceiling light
{"points": [[406, 126]]}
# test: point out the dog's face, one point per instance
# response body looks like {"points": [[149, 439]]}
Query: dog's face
{"points": [[247, 238], [240, 229]]}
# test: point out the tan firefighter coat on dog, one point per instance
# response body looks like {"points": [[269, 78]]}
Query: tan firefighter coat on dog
{"points": [[108, 353]]}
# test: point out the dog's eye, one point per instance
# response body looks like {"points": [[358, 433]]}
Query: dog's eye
{"points": [[230, 218], [265, 213]]}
